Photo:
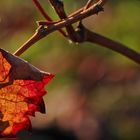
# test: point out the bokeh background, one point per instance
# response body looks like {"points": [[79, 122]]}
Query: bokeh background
{"points": [[95, 94]]}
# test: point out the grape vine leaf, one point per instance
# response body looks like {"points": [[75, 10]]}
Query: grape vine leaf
{"points": [[21, 93]]}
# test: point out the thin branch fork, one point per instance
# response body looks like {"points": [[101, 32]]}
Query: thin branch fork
{"points": [[84, 34], [45, 15], [42, 32], [59, 9], [100, 2]]}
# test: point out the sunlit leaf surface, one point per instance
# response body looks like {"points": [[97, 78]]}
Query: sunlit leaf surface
{"points": [[19, 97]]}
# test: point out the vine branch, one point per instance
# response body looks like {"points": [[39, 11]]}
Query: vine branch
{"points": [[80, 34], [45, 29]]}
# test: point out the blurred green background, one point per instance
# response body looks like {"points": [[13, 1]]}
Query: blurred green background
{"points": [[95, 94]]}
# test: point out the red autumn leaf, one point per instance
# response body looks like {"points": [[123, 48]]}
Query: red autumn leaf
{"points": [[21, 91]]}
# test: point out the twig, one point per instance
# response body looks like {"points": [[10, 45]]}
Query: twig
{"points": [[33, 39], [59, 8], [88, 4], [46, 16], [41, 10], [92, 37], [56, 26], [84, 34], [100, 2], [95, 9]]}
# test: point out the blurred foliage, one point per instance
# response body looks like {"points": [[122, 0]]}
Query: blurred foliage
{"points": [[96, 92]]}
